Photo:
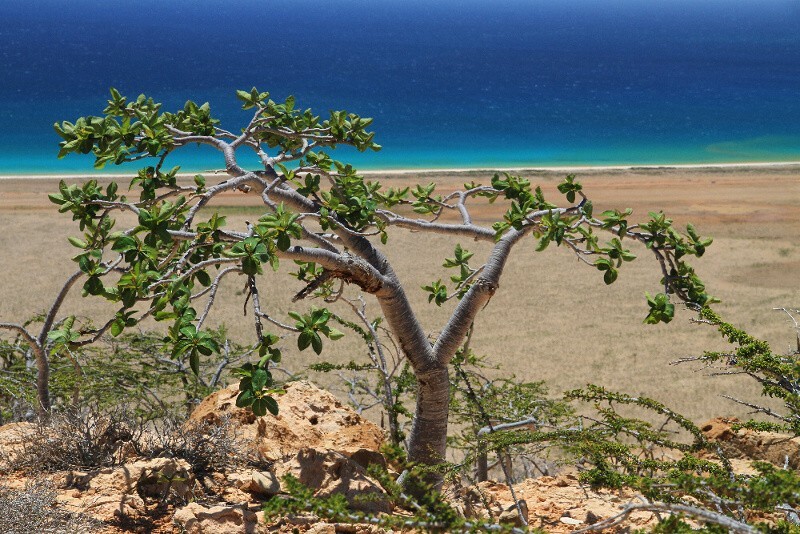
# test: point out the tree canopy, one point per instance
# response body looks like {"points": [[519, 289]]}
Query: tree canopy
{"points": [[330, 225]]}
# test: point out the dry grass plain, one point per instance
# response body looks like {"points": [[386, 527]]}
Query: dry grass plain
{"points": [[553, 318]]}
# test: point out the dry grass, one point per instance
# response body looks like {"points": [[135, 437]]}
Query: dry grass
{"points": [[553, 318]]}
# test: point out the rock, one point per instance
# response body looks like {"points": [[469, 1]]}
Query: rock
{"points": [[309, 417], [196, 519], [151, 478], [366, 457], [591, 518], [556, 505], [328, 528], [330, 472], [13, 437], [262, 483], [113, 493], [511, 516], [779, 449], [719, 429]]}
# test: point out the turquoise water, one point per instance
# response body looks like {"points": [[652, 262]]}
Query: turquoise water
{"points": [[466, 84]]}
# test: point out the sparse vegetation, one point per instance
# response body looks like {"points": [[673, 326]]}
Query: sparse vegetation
{"points": [[207, 447], [34, 509], [78, 438]]}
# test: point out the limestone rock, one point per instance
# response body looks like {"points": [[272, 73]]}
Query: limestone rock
{"points": [[262, 483], [13, 437], [556, 505], [329, 472], [197, 519], [511, 516], [567, 520], [113, 493]]}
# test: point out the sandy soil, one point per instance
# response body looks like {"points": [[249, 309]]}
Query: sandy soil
{"points": [[552, 319]]}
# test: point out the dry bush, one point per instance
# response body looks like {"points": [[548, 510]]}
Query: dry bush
{"points": [[78, 439], [34, 509], [207, 447], [90, 438]]}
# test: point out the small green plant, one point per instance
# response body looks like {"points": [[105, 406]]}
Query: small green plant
{"points": [[778, 374], [482, 407]]}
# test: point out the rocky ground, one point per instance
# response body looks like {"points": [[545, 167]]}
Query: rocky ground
{"points": [[328, 447]]}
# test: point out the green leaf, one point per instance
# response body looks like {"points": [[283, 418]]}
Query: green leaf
{"points": [[304, 340], [260, 379], [194, 362], [283, 242], [316, 342], [335, 334], [250, 265], [271, 405], [260, 406], [75, 242], [94, 286], [661, 310], [203, 277], [116, 328], [245, 398]]}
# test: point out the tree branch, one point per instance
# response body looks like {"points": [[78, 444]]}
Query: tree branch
{"points": [[51, 315], [476, 298], [708, 516], [19, 329]]}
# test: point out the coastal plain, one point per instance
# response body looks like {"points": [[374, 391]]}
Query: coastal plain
{"points": [[552, 319]]}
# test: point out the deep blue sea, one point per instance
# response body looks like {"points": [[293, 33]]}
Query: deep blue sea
{"points": [[450, 83]]}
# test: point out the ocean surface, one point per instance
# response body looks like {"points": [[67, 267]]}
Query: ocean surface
{"points": [[465, 83]]}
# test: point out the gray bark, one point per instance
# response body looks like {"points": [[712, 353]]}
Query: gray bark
{"points": [[42, 367], [427, 442]]}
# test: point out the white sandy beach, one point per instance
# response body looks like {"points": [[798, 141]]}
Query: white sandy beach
{"points": [[789, 165]]}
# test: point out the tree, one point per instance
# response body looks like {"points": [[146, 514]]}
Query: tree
{"points": [[333, 223]]}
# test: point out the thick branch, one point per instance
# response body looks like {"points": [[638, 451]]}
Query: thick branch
{"points": [[51, 315], [465, 230], [343, 266], [476, 298]]}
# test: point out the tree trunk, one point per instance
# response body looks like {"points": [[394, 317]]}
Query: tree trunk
{"points": [[427, 443], [42, 382]]}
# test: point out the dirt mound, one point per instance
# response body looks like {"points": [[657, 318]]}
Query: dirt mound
{"points": [[309, 418]]}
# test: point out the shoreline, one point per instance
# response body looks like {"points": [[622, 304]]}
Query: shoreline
{"points": [[778, 165]]}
